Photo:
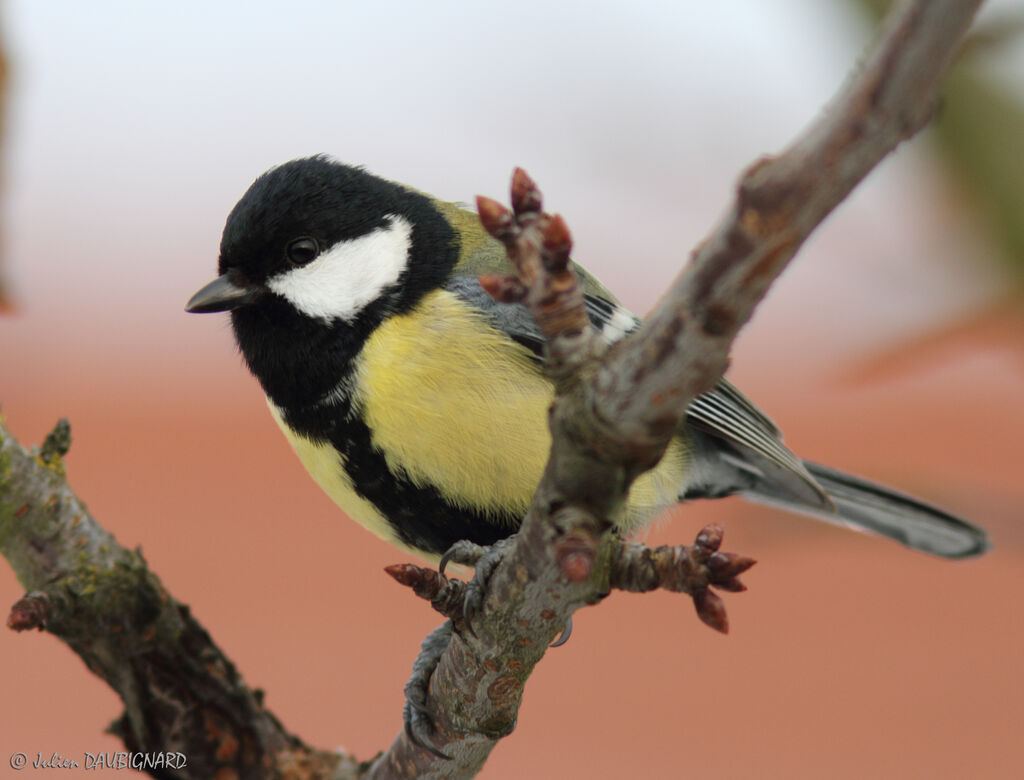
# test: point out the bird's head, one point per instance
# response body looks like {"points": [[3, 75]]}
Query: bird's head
{"points": [[315, 255], [329, 239]]}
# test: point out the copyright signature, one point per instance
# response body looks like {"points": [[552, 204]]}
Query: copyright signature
{"points": [[103, 760]]}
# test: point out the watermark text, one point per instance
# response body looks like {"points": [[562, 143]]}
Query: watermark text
{"points": [[101, 760]]}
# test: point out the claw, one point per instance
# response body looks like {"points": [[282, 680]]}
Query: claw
{"points": [[417, 725], [445, 559], [464, 552], [564, 636], [486, 561], [416, 720]]}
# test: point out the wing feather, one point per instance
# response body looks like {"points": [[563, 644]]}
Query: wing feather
{"points": [[723, 412]]}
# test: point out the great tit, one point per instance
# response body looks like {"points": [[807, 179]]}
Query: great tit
{"points": [[418, 403]]}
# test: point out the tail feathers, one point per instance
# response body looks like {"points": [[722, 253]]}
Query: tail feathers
{"points": [[865, 506]]}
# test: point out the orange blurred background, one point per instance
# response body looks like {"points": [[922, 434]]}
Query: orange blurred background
{"points": [[892, 348]]}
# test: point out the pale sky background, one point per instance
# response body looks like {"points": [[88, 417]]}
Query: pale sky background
{"points": [[134, 127]]}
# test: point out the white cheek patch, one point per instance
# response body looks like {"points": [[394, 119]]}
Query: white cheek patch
{"points": [[619, 324], [349, 275]]}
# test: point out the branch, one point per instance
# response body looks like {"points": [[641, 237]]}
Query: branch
{"points": [[182, 696], [613, 417]]}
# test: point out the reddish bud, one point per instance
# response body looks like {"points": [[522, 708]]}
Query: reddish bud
{"points": [[711, 610], [732, 586], [576, 566], [406, 574], [526, 198], [728, 565], [496, 219], [28, 612], [504, 289], [576, 553], [425, 583], [710, 537], [557, 242]]}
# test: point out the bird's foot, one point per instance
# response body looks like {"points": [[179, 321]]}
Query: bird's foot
{"points": [[419, 726], [484, 561], [461, 603]]}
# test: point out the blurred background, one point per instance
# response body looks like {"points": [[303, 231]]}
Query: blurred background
{"points": [[893, 347]]}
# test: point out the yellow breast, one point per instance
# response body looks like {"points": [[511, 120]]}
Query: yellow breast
{"points": [[453, 404]]}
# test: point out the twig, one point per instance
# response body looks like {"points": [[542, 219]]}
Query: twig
{"points": [[538, 244], [693, 570]]}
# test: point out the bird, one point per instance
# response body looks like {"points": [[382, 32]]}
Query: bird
{"points": [[418, 402]]}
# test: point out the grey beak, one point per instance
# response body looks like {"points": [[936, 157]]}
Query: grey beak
{"points": [[219, 295]]}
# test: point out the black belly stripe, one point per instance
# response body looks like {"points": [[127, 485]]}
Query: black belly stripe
{"points": [[419, 515]]}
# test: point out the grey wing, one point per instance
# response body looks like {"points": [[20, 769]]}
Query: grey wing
{"points": [[724, 412], [512, 319], [751, 444], [610, 319]]}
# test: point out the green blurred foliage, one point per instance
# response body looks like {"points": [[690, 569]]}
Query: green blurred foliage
{"points": [[979, 134]]}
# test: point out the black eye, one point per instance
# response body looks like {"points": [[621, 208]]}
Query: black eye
{"points": [[302, 251]]}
